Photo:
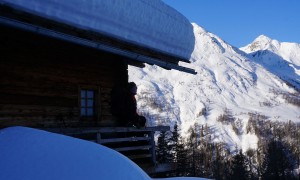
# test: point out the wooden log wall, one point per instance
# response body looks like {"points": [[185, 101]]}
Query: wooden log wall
{"points": [[41, 78]]}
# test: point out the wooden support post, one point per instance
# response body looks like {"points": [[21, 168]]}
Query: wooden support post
{"points": [[99, 138]]}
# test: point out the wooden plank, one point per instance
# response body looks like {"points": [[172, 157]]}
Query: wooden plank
{"points": [[132, 129], [114, 140], [106, 129], [121, 149], [139, 156], [41, 76], [98, 140], [43, 101], [25, 110]]}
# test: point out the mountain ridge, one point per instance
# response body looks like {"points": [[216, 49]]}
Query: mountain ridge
{"points": [[280, 58], [228, 80]]}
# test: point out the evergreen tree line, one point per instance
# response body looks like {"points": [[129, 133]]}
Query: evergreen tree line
{"points": [[291, 98], [276, 157]]}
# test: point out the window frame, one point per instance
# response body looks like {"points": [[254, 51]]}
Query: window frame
{"points": [[96, 103], [87, 103]]}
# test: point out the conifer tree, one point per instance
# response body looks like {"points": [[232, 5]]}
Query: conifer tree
{"points": [[206, 148], [162, 153], [221, 166], [178, 151], [181, 158], [217, 164], [192, 154], [276, 165], [174, 142], [239, 167], [251, 159]]}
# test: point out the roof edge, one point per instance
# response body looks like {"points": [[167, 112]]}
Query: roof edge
{"points": [[93, 44]]}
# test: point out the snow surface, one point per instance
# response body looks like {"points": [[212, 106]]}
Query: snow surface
{"points": [[33, 154], [288, 51], [149, 23], [182, 178], [282, 59], [227, 78]]}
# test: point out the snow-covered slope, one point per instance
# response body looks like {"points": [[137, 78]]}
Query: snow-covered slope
{"points": [[288, 51], [282, 59], [228, 80]]}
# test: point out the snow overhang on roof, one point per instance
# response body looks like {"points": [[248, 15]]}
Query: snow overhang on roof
{"points": [[145, 31]]}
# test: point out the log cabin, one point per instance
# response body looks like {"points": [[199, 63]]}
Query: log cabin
{"points": [[57, 73]]}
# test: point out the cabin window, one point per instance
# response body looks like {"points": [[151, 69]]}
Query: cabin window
{"points": [[87, 103]]}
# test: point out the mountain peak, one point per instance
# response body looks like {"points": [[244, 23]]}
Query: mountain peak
{"points": [[198, 29], [262, 42], [263, 39]]}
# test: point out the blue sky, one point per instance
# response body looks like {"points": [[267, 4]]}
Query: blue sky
{"points": [[239, 22]]}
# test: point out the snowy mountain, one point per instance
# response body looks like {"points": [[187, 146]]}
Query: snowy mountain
{"points": [[281, 59], [229, 81]]}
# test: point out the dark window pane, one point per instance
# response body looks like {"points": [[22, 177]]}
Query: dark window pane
{"points": [[90, 112], [83, 103], [83, 93], [83, 112], [90, 94], [90, 103]]}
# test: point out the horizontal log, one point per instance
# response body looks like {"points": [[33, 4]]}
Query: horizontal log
{"points": [[88, 130], [114, 140], [37, 100], [132, 148], [139, 156], [65, 79]]}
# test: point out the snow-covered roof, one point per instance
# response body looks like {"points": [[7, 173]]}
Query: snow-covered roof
{"points": [[150, 24]]}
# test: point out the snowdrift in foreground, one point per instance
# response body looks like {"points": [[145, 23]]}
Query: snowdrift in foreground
{"points": [[33, 154], [38, 155]]}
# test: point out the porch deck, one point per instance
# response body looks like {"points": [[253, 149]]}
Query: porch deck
{"points": [[137, 144]]}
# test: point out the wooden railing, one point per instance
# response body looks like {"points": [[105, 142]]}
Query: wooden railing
{"points": [[132, 142]]}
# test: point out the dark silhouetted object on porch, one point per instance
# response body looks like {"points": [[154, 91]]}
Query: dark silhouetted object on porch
{"points": [[124, 106]]}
